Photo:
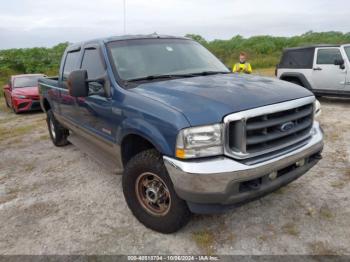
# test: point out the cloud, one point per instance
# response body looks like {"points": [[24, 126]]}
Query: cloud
{"points": [[26, 23]]}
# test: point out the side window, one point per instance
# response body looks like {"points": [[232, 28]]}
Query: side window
{"points": [[327, 56], [92, 63], [299, 58], [71, 64]]}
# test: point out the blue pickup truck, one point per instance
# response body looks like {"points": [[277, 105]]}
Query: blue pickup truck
{"points": [[188, 135]]}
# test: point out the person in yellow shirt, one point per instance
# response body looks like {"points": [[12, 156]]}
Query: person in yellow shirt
{"points": [[243, 66]]}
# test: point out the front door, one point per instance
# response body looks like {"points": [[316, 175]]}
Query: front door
{"points": [[67, 105], [95, 111], [326, 75]]}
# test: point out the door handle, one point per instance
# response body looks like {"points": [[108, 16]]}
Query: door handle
{"points": [[317, 68]]}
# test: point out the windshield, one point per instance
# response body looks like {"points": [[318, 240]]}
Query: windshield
{"points": [[26, 81], [155, 57], [347, 50]]}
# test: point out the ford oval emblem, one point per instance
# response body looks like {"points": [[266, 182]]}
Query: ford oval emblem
{"points": [[286, 126]]}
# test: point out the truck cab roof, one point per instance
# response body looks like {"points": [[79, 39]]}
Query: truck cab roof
{"points": [[310, 47], [77, 46]]}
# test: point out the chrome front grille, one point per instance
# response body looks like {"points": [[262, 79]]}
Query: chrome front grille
{"points": [[267, 129]]}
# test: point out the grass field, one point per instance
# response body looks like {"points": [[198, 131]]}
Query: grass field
{"points": [[265, 72]]}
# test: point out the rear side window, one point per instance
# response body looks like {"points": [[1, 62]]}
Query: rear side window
{"points": [[92, 63], [299, 58], [71, 64], [327, 56]]}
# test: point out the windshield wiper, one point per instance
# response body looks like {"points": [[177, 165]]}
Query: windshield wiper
{"points": [[170, 76], [153, 77], [150, 77], [205, 73]]}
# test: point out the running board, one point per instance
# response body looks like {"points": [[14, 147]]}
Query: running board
{"points": [[101, 156]]}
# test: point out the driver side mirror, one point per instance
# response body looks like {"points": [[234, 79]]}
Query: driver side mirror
{"points": [[340, 62], [78, 83]]}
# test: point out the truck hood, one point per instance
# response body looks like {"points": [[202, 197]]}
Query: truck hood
{"points": [[207, 99]]}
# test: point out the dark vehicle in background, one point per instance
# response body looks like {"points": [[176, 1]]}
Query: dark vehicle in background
{"points": [[188, 135], [22, 94], [323, 69]]}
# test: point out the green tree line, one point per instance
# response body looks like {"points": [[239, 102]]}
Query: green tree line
{"points": [[31, 60], [263, 51]]}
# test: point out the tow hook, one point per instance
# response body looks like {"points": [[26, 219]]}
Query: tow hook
{"points": [[318, 156], [254, 184]]}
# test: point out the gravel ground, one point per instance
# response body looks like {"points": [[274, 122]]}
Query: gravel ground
{"points": [[59, 201]]}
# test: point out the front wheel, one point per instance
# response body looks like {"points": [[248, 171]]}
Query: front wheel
{"points": [[57, 132], [150, 194]]}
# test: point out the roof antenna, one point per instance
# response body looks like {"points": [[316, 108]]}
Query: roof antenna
{"points": [[124, 7]]}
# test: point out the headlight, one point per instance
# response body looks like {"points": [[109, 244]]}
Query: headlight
{"points": [[317, 108], [200, 142], [20, 96]]}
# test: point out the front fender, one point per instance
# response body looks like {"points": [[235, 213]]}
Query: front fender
{"points": [[300, 76], [150, 132]]}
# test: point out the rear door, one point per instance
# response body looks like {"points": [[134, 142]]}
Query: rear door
{"points": [[326, 75], [95, 111]]}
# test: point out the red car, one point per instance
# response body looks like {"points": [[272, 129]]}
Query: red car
{"points": [[22, 94]]}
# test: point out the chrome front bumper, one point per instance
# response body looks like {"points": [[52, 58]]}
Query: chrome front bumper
{"points": [[218, 180]]}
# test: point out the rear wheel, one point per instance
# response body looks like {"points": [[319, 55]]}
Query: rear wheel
{"points": [[57, 132], [150, 194]]}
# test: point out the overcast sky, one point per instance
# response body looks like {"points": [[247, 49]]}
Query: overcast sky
{"points": [[28, 23]]}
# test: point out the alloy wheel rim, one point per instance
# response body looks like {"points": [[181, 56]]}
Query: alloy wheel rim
{"points": [[153, 194]]}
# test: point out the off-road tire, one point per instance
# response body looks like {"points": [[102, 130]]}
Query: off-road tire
{"points": [[178, 214], [57, 132]]}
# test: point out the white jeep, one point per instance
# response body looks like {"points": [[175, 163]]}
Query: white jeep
{"points": [[323, 69]]}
